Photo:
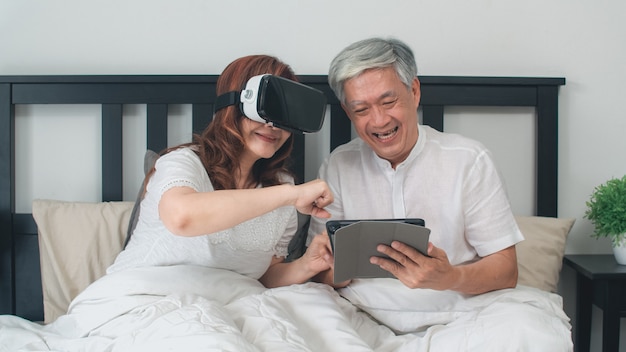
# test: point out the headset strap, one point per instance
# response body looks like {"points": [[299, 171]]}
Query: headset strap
{"points": [[226, 99]]}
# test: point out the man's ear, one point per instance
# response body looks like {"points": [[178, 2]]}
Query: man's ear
{"points": [[416, 90]]}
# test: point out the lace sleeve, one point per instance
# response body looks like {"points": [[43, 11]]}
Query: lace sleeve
{"points": [[282, 246], [179, 168]]}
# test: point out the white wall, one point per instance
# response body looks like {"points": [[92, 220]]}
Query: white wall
{"points": [[581, 40]]}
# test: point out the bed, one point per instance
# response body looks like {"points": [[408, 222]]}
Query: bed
{"points": [[40, 274]]}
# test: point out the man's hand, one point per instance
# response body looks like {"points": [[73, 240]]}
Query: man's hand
{"points": [[416, 270], [434, 271]]}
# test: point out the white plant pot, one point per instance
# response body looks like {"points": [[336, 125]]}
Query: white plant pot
{"points": [[620, 254]]}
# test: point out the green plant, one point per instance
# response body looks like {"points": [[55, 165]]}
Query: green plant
{"points": [[606, 209]]}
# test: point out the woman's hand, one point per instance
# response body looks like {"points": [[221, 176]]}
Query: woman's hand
{"points": [[312, 197], [318, 256]]}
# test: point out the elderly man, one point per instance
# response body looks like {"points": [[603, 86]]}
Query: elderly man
{"points": [[398, 168]]}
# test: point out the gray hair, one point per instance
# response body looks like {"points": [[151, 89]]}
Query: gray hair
{"points": [[368, 54]]}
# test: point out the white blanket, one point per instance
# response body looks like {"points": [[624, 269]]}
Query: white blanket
{"points": [[188, 308]]}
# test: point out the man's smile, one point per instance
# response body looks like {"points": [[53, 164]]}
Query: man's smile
{"points": [[386, 134]]}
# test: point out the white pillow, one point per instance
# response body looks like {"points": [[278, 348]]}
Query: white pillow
{"points": [[403, 309], [406, 310], [540, 255], [77, 242]]}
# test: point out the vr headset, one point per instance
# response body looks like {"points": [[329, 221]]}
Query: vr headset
{"points": [[278, 101]]}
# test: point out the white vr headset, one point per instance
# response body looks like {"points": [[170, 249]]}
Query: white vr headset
{"points": [[281, 102]]}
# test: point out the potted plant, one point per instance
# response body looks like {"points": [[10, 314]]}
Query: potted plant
{"points": [[606, 209]]}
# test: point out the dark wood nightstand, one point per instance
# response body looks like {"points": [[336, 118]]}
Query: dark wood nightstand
{"points": [[600, 281]]}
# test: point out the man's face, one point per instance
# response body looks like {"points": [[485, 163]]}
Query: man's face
{"points": [[384, 112]]}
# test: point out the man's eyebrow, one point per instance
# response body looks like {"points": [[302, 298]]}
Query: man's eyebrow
{"points": [[387, 94], [354, 103]]}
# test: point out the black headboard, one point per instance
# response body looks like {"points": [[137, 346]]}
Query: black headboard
{"points": [[20, 281]]}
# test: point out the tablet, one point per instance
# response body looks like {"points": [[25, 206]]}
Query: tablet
{"points": [[354, 241]]}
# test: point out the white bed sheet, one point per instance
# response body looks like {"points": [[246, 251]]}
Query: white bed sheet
{"points": [[196, 308]]}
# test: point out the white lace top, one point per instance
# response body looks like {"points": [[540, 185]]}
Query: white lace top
{"points": [[246, 248]]}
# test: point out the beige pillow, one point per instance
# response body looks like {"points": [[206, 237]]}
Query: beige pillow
{"points": [[540, 255], [77, 242]]}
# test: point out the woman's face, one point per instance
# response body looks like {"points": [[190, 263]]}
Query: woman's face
{"points": [[261, 140]]}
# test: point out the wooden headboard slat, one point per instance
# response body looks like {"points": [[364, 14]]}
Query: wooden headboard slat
{"points": [[547, 150], [297, 158], [202, 114], [480, 95], [157, 127], [7, 200], [432, 115], [24, 224], [340, 127], [112, 93], [112, 189]]}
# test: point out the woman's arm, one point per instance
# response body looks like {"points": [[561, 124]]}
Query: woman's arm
{"points": [[186, 212]]}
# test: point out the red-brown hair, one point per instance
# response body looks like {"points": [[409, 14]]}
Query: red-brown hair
{"points": [[221, 143]]}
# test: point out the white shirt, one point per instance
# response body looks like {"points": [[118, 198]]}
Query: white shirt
{"points": [[247, 248], [448, 180]]}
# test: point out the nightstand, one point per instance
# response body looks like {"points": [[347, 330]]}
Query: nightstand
{"points": [[600, 281]]}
